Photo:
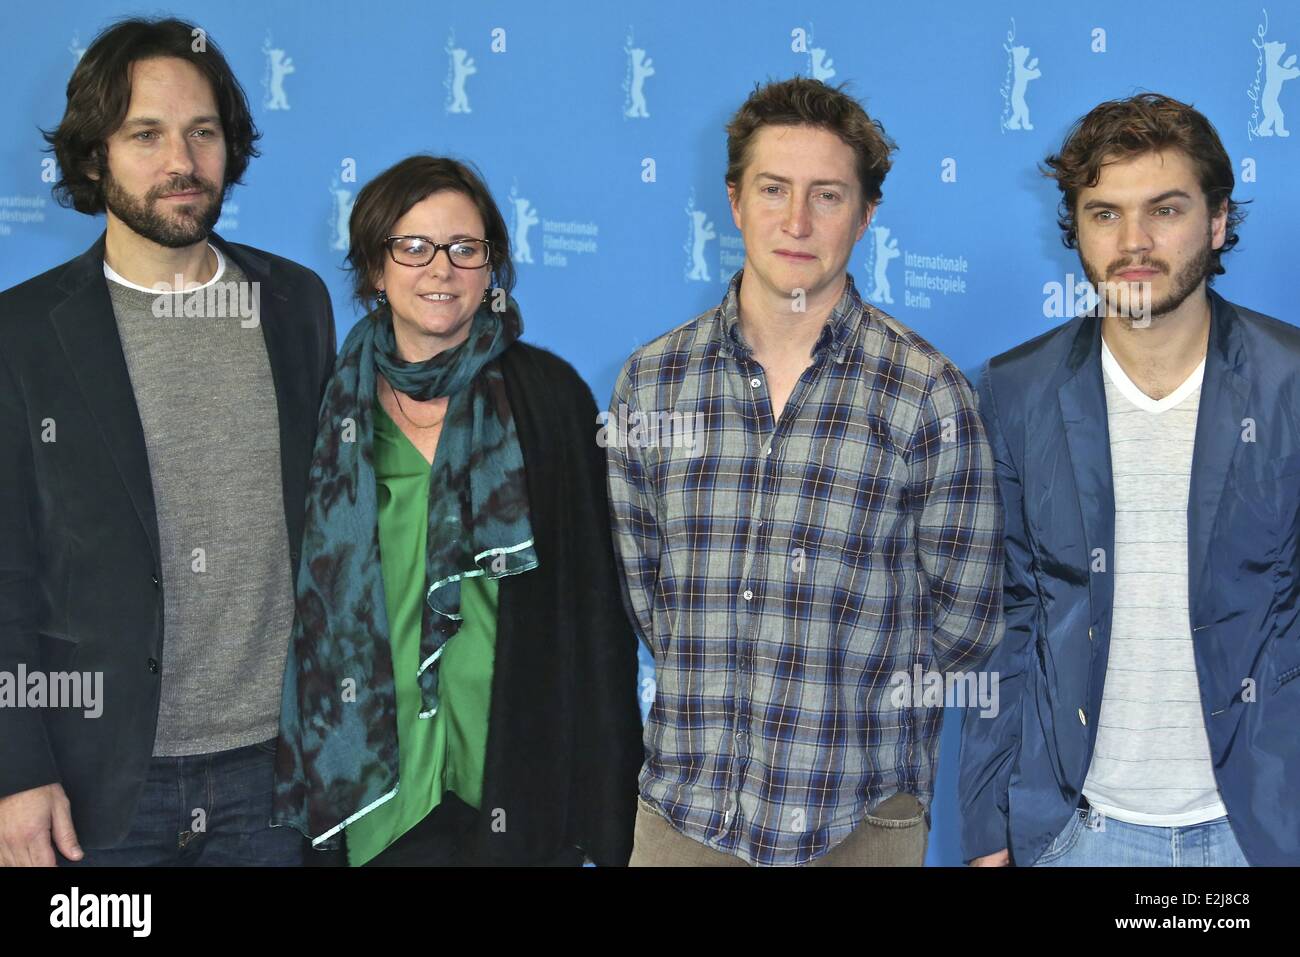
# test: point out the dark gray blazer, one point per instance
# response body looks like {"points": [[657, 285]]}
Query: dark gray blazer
{"points": [[79, 562]]}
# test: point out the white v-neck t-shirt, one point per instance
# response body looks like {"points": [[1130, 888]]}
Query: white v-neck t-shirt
{"points": [[1151, 764]]}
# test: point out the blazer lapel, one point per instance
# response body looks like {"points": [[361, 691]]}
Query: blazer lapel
{"points": [[292, 383], [1219, 423], [1082, 398], [87, 331]]}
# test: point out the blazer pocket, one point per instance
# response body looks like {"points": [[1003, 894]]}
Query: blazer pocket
{"points": [[1288, 675], [1271, 479], [57, 652], [52, 635], [1286, 465], [1259, 511]]}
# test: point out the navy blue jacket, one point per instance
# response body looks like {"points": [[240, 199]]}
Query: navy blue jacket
{"points": [[1044, 408]]}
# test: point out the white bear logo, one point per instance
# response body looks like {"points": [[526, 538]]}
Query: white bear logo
{"points": [[525, 217], [1276, 73], [340, 216], [823, 67], [462, 67], [886, 250], [1025, 70], [701, 232], [280, 66], [642, 67]]}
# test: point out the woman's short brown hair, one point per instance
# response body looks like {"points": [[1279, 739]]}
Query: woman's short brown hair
{"points": [[1147, 123], [805, 102], [390, 195], [99, 94]]}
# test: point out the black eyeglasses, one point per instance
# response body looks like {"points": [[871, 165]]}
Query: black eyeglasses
{"points": [[419, 251]]}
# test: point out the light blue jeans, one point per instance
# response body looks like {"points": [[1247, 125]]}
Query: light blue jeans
{"points": [[1091, 839]]}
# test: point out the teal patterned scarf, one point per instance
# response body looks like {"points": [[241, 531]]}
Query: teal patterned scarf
{"points": [[337, 755]]}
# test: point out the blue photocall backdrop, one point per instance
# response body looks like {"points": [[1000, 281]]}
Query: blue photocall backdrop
{"points": [[599, 128]]}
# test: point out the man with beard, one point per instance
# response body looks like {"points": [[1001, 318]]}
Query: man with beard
{"points": [[1149, 463], [154, 447]]}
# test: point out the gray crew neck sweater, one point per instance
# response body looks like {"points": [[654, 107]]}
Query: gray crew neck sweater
{"points": [[208, 406]]}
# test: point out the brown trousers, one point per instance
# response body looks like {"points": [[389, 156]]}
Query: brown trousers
{"points": [[894, 834]]}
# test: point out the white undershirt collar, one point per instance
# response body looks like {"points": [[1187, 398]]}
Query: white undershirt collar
{"points": [[113, 276]]}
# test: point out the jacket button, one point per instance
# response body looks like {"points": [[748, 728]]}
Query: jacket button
{"points": [[153, 665], [154, 579], [1090, 634], [1083, 718]]}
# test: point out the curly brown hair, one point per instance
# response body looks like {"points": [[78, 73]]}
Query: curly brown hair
{"points": [[99, 94], [1120, 130], [805, 102]]}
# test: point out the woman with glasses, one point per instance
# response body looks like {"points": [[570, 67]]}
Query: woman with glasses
{"points": [[461, 686]]}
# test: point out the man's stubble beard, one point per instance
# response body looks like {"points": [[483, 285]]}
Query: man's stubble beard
{"points": [[187, 226], [1185, 283]]}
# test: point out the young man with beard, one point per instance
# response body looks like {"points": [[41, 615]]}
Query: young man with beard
{"points": [[1149, 461], [154, 448], [833, 523]]}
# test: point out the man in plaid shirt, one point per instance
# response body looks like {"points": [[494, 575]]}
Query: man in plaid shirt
{"points": [[805, 508]]}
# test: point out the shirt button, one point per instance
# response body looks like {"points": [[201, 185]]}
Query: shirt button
{"points": [[756, 382], [1083, 718], [1090, 634], [747, 595], [768, 450]]}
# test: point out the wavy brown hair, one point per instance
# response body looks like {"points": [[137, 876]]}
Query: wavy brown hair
{"points": [[805, 102], [99, 94], [1119, 130], [390, 195]]}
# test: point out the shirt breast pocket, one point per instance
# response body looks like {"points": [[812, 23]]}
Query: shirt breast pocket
{"points": [[1265, 496], [1262, 526], [1269, 472], [842, 504]]}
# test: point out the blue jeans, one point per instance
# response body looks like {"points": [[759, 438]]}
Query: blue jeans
{"points": [[1091, 839], [205, 810]]}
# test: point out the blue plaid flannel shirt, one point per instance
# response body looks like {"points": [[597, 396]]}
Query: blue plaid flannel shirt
{"points": [[782, 572]]}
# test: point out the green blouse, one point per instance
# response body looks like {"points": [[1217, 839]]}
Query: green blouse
{"points": [[445, 752]]}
